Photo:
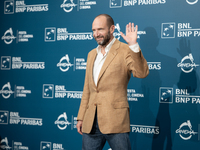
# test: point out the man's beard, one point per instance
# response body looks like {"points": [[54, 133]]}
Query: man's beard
{"points": [[105, 40]]}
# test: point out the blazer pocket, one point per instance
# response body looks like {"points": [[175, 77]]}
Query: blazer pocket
{"points": [[120, 104]]}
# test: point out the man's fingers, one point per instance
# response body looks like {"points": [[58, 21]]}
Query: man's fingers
{"points": [[136, 28], [79, 127], [132, 27], [127, 28], [79, 130]]}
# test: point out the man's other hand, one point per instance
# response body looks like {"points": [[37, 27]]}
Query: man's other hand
{"points": [[79, 126]]}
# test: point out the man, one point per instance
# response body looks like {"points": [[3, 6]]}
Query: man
{"points": [[104, 110]]}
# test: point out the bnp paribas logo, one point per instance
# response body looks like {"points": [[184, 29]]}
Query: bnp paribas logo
{"points": [[115, 3], [45, 145], [48, 90], [5, 62], [50, 34], [166, 95], [9, 7], [3, 117], [168, 30]]}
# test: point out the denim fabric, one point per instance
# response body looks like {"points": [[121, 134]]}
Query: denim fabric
{"points": [[96, 140]]}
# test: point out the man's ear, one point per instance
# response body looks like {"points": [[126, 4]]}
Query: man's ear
{"points": [[112, 29]]}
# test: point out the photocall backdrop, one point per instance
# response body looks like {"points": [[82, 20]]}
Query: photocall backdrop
{"points": [[44, 46]]}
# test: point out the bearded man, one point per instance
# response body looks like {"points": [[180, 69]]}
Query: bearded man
{"points": [[104, 110]]}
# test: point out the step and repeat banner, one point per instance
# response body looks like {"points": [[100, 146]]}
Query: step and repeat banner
{"points": [[43, 49]]}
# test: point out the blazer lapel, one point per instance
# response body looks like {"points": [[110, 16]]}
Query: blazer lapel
{"points": [[111, 55]]}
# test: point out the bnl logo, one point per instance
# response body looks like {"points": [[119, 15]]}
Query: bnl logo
{"points": [[3, 117], [48, 90], [45, 145], [168, 30], [166, 95], [5, 62], [115, 3], [9, 7], [50, 34]]}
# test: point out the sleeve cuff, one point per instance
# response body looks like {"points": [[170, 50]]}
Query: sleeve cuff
{"points": [[135, 48]]}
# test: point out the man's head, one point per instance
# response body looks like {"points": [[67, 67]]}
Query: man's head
{"points": [[103, 28]]}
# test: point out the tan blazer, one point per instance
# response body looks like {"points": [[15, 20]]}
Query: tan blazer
{"points": [[109, 97]]}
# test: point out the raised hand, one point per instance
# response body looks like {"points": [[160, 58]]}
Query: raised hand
{"points": [[131, 34]]}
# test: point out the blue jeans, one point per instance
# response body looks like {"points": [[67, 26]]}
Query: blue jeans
{"points": [[96, 140]]}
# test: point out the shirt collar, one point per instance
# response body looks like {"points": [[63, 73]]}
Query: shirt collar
{"points": [[107, 47]]}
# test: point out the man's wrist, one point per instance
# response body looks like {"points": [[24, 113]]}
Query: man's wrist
{"points": [[132, 43], [135, 47]]}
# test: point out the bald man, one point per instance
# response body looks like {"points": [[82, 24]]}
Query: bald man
{"points": [[104, 110]]}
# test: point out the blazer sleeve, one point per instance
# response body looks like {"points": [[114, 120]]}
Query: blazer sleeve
{"points": [[85, 96], [137, 64]]}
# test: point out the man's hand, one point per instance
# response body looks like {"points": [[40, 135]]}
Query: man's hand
{"points": [[79, 126], [131, 34]]}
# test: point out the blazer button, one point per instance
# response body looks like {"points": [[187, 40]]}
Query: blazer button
{"points": [[95, 104], [97, 91]]}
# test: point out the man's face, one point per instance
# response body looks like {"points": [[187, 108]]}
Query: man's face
{"points": [[101, 32]]}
